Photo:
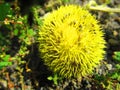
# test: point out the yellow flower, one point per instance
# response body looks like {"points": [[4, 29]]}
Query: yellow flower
{"points": [[71, 41]]}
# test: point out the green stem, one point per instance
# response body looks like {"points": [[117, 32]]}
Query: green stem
{"points": [[105, 9]]}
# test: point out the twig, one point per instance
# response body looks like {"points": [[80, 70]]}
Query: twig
{"points": [[105, 9]]}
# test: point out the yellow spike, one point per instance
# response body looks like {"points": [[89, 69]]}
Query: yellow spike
{"points": [[71, 41]]}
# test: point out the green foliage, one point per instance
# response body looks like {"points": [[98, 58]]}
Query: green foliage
{"points": [[65, 1], [116, 74], [37, 20], [5, 9], [55, 79], [15, 37], [5, 61], [111, 80], [99, 78], [116, 56]]}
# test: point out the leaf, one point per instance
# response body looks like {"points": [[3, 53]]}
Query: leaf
{"points": [[15, 32], [27, 41], [118, 86], [117, 66], [55, 82], [115, 76], [6, 58], [30, 32], [99, 77], [116, 56], [50, 78], [55, 79], [118, 78], [5, 10], [4, 64]]}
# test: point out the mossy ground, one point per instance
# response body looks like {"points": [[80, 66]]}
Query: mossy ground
{"points": [[35, 73]]}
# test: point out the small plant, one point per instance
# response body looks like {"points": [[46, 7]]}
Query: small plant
{"points": [[55, 79], [5, 9], [116, 56], [116, 74], [16, 39], [4, 61], [71, 42], [111, 80]]}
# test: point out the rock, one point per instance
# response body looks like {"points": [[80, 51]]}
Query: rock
{"points": [[109, 66], [113, 42]]}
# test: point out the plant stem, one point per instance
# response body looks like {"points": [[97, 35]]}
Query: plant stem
{"points": [[105, 9]]}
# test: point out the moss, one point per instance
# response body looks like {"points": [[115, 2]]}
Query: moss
{"points": [[71, 41]]}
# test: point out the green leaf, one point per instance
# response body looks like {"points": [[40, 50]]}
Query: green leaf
{"points": [[5, 9], [55, 82], [117, 66], [118, 86], [116, 56], [27, 41], [99, 77], [4, 64], [55, 79], [21, 52], [6, 58], [118, 78], [22, 36], [30, 32], [115, 76], [15, 32], [50, 78]]}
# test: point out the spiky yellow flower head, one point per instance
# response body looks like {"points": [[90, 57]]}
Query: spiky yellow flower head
{"points": [[71, 41]]}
